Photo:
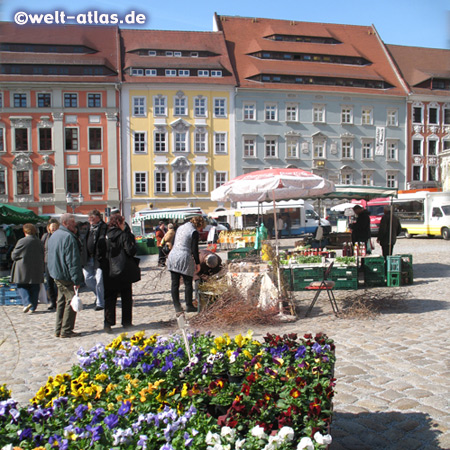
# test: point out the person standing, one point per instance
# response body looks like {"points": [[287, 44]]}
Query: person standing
{"points": [[94, 257], [52, 291], [64, 266], [361, 228], [169, 236], [280, 225], [28, 267], [184, 261], [160, 232], [390, 228], [119, 239]]}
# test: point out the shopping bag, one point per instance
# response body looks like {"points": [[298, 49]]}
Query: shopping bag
{"points": [[42, 294], [76, 303]]}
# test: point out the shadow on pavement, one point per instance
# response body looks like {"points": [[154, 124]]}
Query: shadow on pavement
{"points": [[383, 430], [431, 270]]}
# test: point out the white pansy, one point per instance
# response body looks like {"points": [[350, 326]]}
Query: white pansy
{"points": [[286, 433], [8, 447], [212, 438], [228, 433], [239, 444], [305, 444], [322, 439], [232, 358], [258, 432]]}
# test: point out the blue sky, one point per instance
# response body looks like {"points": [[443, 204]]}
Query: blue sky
{"points": [[422, 23]]}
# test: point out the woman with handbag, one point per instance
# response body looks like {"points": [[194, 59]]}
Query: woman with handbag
{"points": [[121, 272]]}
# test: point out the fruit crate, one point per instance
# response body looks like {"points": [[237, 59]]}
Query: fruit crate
{"points": [[375, 261], [344, 273], [241, 253], [308, 272], [374, 279], [346, 284]]}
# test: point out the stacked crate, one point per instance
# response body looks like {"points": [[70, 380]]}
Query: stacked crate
{"points": [[301, 277], [344, 277], [374, 271], [399, 270], [8, 293]]}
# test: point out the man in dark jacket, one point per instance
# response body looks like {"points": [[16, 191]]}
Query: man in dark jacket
{"points": [[361, 228], [388, 232], [94, 257], [64, 266]]}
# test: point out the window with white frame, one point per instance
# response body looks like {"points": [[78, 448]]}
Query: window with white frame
{"points": [[270, 111], [94, 100], [220, 107], [417, 173], [160, 141], [137, 72], [194, 54], [220, 143], [140, 182], [45, 139], [200, 140], [219, 179], [446, 113], [95, 181], [201, 181], [161, 181], [216, 73], [44, 100], [319, 113], [171, 72], [95, 138], [159, 105], [151, 72], [292, 148], [249, 147], [367, 178], [181, 182], [22, 182], [21, 139], [249, 111], [347, 149], [71, 142], [20, 100], [391, 180], [346, 114], [200, 106], [392, 117], [319, 148], [184, 73], [367, 116], [392, 150], [432, 147], [446, 145], [177, 54], [70, 100], [180, 106], [270, 147], [432, 173], [417, 113], [140, 142], [2, 139], [291, 112], [417, 146], [152, 53], [46, 181], [367, 150], [346, 177], [2, 181], [203, 73], [433, 114], [180, 138], [139, 106], [169, 53]]}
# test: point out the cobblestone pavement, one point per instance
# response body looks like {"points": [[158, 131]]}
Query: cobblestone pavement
{"points": [[393, 371]]}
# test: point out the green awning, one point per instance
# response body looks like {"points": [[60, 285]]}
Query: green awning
{"points": [[165, 215], [13, 215], [356, 192]]}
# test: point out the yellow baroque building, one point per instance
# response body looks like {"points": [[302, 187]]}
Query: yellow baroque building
{"points": [[177, 105]]}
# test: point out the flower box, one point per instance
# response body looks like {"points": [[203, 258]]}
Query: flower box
{"points": [[144, 393]]}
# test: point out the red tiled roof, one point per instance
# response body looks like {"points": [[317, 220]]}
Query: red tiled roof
{"points": [[104, 40], [212, 42], [247, 35], [418, 64]]}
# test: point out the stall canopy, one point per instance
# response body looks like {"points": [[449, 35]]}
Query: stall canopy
{"points": [[13, 215], [166, 214], [356, 192]]}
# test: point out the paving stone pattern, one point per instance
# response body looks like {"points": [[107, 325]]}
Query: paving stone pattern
{"points": [[393, 371]]}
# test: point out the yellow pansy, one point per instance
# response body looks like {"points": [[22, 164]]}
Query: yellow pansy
{"points": [[101, 377], [247, 354], [110, 387], [110, 406], [184, 391]]}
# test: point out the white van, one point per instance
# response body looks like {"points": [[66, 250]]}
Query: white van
{"points": [[298, 214]]}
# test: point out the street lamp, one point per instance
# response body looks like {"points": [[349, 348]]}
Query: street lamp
{"points": [[73, 202]]}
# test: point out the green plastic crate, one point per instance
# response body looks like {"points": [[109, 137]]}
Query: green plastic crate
{"points": [[308, 272], [240, 253], [300, 285], [346, 284], [377, 280], [394, 279], [348, 273]]}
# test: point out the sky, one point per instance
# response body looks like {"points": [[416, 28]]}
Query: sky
{"points": [[421, 23]]}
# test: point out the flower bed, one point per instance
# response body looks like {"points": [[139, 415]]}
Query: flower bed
{"points": [[144, 393]]}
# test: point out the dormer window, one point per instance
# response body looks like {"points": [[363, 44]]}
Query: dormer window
{"points": [[177, 54], [151, 53], [137, 72], [194, 54], [169, 53]]}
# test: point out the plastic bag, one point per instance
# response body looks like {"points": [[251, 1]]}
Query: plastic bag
{"points": [[42, 294], [76, 303]]}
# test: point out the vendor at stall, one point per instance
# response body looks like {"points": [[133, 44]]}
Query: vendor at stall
{"points": [[210, 264], [361, 228]]}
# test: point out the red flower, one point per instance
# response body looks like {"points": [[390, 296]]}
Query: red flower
{"points": [[295, 393], [314, 407]]}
